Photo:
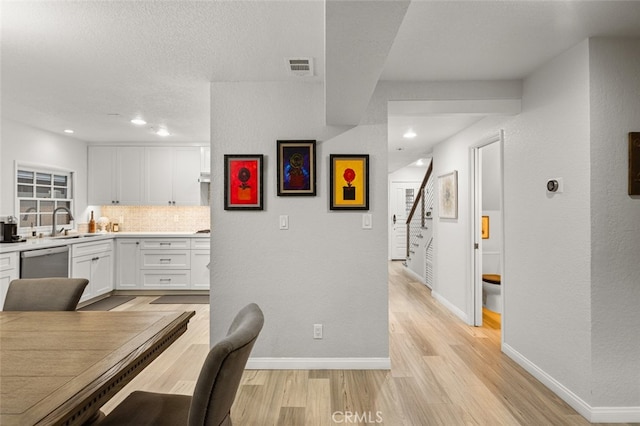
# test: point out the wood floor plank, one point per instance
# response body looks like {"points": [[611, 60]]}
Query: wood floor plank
{"points": [[443, 372]]}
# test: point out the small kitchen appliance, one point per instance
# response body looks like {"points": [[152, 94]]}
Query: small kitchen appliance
{"points": [[10, 231]]}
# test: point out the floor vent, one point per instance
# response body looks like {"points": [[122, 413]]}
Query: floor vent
{"points": [[300, 67]]}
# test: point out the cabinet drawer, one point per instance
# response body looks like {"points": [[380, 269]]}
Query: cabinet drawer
{"points": [[166, 244], [166, 279], [8, 261], [161, 259], [200, 244], [84, 249]]}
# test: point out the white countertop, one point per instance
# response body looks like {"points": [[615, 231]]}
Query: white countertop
{"points": [[46, 242]]}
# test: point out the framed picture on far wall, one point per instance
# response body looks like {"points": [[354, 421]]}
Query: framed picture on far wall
{"points": [[297, 168], [243, 182], [349, 182], [448, 195]]}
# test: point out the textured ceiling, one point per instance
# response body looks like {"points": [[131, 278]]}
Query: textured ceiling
{"points": [[93, 65], [73, 64]]}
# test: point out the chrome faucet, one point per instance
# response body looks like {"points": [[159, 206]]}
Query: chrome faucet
{"points": [[54, 231]]}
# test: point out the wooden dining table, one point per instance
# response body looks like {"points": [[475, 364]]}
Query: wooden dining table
{"points": [[59, 368]]}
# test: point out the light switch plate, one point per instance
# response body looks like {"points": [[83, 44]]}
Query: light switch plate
{"points": [[284, 221], [367, 221]]}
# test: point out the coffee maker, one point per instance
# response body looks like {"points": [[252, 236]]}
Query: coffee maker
{"points": [[9, 231]]}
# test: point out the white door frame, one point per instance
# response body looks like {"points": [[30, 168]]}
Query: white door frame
{"points": [[475, 285]]}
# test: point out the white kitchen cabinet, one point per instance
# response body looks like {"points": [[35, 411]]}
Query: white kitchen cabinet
{"points": [[93, 261], [127, 264], [171, 175], [162, 263], [9, 271], [116, 175], [165, 263], [199, 270], [205, 160]]}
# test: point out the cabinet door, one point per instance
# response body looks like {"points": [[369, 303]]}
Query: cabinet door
{"points": [[127, 265], [199, 269], [186, 174], [130, 175], [81, 268], [8, 273], [158, 176], [102, 274], [102, 177]]}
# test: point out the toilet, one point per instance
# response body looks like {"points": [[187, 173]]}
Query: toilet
{"points": [[491, 292]]}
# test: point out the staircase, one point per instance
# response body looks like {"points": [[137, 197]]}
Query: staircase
{"points": [[420, 231]]}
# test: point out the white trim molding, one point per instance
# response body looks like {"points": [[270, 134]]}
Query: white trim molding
{"points": [[592, 414], [450, 306], [266, 363]]}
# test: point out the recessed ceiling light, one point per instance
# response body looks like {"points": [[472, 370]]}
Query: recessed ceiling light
{"points": [[163, 132], [138, 121], [410, 134], [68, 131]]}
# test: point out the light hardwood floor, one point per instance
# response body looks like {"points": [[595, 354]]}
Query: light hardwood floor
{"points": [[443, 372]]}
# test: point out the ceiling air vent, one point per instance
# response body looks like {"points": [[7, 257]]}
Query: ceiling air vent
{"points": [[301, 67]]}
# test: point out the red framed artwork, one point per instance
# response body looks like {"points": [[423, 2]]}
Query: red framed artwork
{"points": [[243, 182]]}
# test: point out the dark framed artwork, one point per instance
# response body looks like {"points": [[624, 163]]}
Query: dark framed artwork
{"points": [[297, 168], [634, 163], [349, 182], [243, 177]]}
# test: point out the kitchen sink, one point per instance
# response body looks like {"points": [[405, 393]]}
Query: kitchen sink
{"points": [[77, 236]]}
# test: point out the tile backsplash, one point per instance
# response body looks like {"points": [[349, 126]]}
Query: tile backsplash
{"points": [[158, 218]]}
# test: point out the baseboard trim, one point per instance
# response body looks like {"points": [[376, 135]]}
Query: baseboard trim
{"points": [[267, 363], [615, 415], [592, 414], [415, 275], [454, 309]]}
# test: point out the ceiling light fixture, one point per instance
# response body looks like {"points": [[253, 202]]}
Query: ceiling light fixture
{"points": [[68, 131], [410, 134], [138, 121], [419, 162], [163, 132]]}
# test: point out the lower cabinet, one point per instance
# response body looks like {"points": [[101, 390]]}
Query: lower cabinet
{"points": [[161, 264], [9, 271], [93, 261]]}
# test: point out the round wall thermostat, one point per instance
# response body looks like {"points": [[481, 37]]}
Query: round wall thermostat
{"points": [[552, 185]]}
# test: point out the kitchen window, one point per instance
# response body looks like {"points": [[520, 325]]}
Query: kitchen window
{"points": [[39, 193]]}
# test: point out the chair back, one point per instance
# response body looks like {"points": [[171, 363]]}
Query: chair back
{"points": [[220, 376], [44, 294]]}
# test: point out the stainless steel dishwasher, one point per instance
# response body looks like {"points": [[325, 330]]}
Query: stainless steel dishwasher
{"points": [[44, 263]]}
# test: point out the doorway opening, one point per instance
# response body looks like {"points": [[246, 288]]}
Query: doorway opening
{"points": [[487, 231]]}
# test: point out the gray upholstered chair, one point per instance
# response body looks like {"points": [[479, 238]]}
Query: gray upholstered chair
{"points": [[44, 294], [215, 390]]}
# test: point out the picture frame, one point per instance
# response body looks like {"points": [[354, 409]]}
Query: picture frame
{"points": [[243, 182], [634, 164], [448, 195], [296, 168], [349, 182], [485, 227]]}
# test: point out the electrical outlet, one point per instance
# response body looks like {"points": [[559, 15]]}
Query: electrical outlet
{"points": [[176, 218], [317, 331]]}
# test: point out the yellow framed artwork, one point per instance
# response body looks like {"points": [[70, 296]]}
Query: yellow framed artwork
{"points": [[485, 227], [349, 182]]}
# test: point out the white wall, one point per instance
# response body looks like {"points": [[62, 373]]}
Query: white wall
{"points": [[325, 268], [452, 249], [615, 224], [547, 237], [34, 146]]}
